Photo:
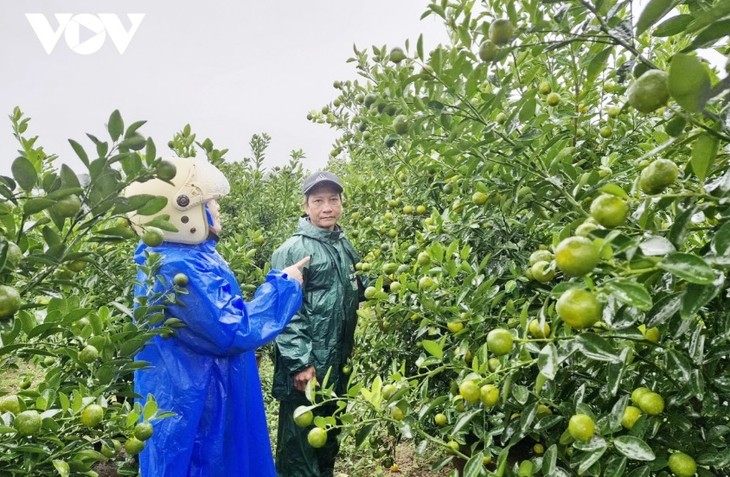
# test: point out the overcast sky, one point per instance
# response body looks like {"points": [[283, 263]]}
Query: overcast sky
{"points": [[229, 68]]}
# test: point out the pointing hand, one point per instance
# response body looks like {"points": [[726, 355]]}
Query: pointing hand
{"points": [[295, 271]]}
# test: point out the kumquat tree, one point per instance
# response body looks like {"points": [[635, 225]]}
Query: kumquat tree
{"points": [[542, 207]]}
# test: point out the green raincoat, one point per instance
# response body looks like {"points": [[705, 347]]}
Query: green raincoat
{"points": [[321, 335]]}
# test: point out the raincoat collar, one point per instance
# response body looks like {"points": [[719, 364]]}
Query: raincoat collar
{"points": [[207, 247], [308, 229]]}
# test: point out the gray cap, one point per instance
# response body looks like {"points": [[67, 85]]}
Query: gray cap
{"points": [[321, 177]]}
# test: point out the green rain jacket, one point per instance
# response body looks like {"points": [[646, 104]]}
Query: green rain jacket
{"points": [[322, 332]]}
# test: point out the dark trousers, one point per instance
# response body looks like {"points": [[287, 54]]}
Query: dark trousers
{"points": [[294, 456]]}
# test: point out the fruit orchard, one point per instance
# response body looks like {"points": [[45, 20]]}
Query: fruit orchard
{"points": [[542, 210]]}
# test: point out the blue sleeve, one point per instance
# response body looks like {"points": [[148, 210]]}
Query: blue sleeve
{"points": [[295, 342], [218, 321]]}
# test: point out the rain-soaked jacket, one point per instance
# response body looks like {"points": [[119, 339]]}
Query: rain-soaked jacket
{"points": [[206, 373], [321, 334]]}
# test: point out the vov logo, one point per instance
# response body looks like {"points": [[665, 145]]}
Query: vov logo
{"points": [[95, 30]]}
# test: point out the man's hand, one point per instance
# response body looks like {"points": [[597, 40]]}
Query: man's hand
{"points": [[303, 377], [295, 271]]}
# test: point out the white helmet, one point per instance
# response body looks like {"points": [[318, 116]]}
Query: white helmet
{"points": [[196, 181]]}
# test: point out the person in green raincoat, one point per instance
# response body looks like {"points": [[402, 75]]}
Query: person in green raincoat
{"points": [[319, 339]]}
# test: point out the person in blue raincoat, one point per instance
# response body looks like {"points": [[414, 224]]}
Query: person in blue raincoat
{"points": [[206, 372]]}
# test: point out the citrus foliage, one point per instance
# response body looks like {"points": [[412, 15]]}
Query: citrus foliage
{"points": [[546, 234], [66, 294], [65, 251], [463, 161], [261, 210]]}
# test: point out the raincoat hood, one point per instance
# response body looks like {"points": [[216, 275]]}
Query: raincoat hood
{"points": [[306, 228]]}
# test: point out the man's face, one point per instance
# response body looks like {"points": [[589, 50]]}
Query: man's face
{"points": [[324, 206]]}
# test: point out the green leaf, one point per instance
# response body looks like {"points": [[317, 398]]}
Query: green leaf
{"points": [[634, 448], [721, 240], [8, 335], [33, 206], [24, 173], [430, 405], [61, 467], [654, 11], [65, 192], [673, 25], [614, 189], [474, 466], [698, 296], [134, 142], [363, 433], [51, 237], [131, 164], [708, 16], [689, 82], [132, 129], [433, 348], [616, 467], [150, 151], [527, 111], [595, 443], [163, 222], [597, 65], [69, 178], [547, 422], [596, 348], [719, 459], [663, 310], [520, 393], [679, 230], [153, 206], [711, 34], [150, 409], [615, 373], [121, 232], [79, 150], [643, 471], [547, 361], [630, 292], [550, 460], [704, 152], [419, 47], [591, 458], [656, 246], [132, 203], [617, 412], [464, 419], [688, 267], [115, 125], [675, 126], [679, 364]]}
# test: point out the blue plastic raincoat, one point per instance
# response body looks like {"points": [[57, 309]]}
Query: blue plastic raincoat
{"points": [[206, 373]]}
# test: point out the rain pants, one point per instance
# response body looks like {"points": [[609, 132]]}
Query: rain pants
{"points": [[206, 373], [321, 334]]}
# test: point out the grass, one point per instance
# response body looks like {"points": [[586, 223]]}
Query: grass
{"points": [[15, 373]]}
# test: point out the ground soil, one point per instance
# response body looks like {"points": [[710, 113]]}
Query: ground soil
{"points": [[408, 465], [412, 465], [106, 469]]}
